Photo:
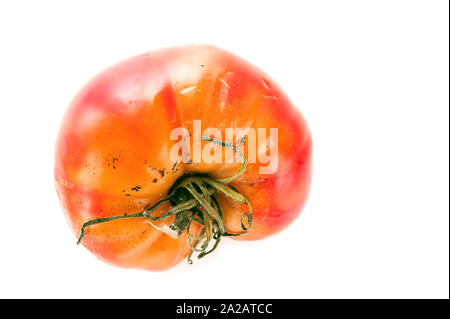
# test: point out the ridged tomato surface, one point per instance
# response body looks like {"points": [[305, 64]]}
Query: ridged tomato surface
{"points": [[112, 153]]}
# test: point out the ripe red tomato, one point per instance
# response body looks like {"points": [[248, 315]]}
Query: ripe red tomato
{"points": [[113, 157]]}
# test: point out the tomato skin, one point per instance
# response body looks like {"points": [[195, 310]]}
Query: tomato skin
{"points": [[112, 152]]}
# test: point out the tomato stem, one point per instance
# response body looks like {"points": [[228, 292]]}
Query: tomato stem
{"points": [[194, 200]]}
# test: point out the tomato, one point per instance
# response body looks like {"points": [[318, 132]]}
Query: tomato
{"points": [[113, 157]]}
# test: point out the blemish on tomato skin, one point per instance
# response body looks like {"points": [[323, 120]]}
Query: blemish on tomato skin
{"points": [[188, 89], [265, 84], [224, 83], [223, 93], [270, 97]]}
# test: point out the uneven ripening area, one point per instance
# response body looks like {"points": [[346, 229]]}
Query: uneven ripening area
{"points": [[131, 204]]}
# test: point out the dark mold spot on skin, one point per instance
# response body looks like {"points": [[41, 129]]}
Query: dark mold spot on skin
{"points": [[127, 195], [202, 65], [114, 160], [155, 180], [175, 164], [160, 171], [136, 188]]}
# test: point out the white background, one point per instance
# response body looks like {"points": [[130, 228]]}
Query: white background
{"points": [[371, 78]]}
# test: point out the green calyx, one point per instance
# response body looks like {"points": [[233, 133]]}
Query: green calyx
{"points": [[194, 200]]}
